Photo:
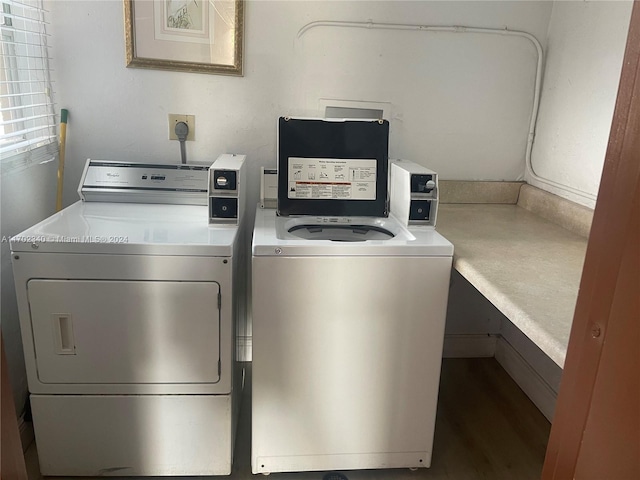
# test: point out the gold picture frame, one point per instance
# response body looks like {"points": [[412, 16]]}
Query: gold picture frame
{"points": [[202, 36]]}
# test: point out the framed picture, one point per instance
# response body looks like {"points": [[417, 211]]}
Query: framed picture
{"points": [[204, 36]]}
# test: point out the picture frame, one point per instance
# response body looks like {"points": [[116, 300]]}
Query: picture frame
{"points": [[201, 36]]}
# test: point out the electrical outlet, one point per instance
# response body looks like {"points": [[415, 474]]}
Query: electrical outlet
{"points": [[188, 119]]}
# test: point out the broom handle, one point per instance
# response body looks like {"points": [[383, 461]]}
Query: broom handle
{"points": [[63, 142]]}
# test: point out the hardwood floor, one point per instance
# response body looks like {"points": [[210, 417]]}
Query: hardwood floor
{"points": [[486, 428]]}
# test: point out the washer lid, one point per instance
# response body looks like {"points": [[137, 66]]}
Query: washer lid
{"points": [[333, 167], [127, 229]]}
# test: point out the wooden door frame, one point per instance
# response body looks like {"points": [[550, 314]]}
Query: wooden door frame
{"points": [[610, 233]]}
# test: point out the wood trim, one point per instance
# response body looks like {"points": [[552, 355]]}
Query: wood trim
{"points": [[611, 231], [610, 444]]}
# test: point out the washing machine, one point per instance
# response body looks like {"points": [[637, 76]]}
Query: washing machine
{"points": [[128, 304], [349, 305]]}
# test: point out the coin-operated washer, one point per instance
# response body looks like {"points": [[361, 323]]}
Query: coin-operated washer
{"points": [[128, 314], [349, 305]]}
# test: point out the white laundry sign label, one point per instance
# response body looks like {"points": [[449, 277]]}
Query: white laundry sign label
{"points": [[332, 178]]}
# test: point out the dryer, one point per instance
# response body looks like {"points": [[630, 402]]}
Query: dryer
{"points": [[128, 314], [348, 309]]}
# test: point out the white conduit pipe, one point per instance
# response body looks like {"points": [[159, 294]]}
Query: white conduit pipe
{"points": [[463, 29]]}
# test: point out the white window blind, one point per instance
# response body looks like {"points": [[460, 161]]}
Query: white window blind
{"points": [[28, 126]]}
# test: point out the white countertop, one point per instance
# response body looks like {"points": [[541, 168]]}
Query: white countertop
{"points": [[528, 267]]}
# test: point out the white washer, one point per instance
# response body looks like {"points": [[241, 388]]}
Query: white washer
{"points": [[128, 317], [348, 318], [347, 347]]}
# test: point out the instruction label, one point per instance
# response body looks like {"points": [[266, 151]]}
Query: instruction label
{"points": [[332, 178]]}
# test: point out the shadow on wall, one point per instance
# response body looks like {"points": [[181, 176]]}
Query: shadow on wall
{"points": [[28, 195]]}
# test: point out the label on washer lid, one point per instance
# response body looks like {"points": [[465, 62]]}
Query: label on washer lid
{"points": [[332, 178]]}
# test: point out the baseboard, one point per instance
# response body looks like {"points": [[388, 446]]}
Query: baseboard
{"points": [[26, 433], [533, 385], [469, 346]]}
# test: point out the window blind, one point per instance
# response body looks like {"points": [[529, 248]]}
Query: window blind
{"points": [[28, 124]]}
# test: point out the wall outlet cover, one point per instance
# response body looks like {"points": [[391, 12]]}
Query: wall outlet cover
{"points": [[190, 120]]}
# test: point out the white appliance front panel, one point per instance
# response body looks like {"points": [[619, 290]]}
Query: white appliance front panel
{"points": [[120, 332], [346, 361], [126, 435], [128, 268]]}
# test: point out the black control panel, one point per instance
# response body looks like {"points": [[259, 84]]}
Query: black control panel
{"points": [[225, 180], [422, 183], [223, 207], [419, 209]]}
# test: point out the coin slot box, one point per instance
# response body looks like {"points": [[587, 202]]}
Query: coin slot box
{"points": [[413, 193], [227, 183]]}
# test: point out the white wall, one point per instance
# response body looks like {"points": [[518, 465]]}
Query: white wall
{"points": [[460, 101], [585, 46]]}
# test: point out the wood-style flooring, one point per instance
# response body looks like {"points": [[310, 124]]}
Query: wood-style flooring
{"points": [[486, 429]]}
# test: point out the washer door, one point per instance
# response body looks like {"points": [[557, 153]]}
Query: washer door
{"points": [[122, 332]]}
